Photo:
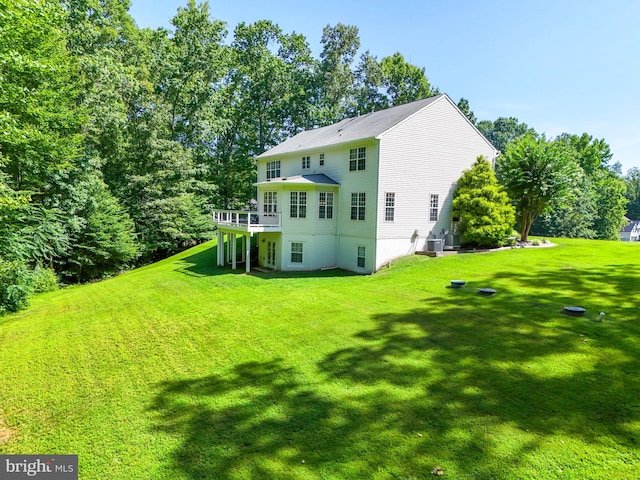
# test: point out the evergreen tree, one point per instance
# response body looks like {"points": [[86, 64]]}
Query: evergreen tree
{"points": [[486, 216]]}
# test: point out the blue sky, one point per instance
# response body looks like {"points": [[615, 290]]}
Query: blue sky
{"points": [[559, 66]]}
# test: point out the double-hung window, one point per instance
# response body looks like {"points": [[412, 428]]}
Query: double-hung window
{"points": [[273, 169], [296, 252], [270, 203], [389, 207], [433, 208], [298, 204], [358, 203], [361, 256], [322, 159], [325, 205], [306, 162], [357, 158]]}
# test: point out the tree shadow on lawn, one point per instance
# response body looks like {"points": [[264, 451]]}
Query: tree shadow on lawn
{"points": [[466, 382], [501, 359], [594, 286], [260, 421]]}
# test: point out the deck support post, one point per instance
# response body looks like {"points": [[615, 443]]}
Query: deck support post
{"points": [[220, 259], [232, 240], [247, 252]]}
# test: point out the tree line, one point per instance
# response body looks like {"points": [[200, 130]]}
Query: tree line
{"points": [[561, 187], [116, 142]]}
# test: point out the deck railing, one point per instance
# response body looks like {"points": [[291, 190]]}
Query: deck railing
{"points": [[252, 221]]}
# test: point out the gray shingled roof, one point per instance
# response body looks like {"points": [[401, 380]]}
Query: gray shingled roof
{"points": [[350, 129], [313, 179]]}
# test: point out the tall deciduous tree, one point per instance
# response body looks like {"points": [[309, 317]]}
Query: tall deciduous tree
{"points": [[537, 175], [334, 78], [594, 156], [40, 124], [189, 66], [483, 207], [610, 205], [391, 81], [503, 131], [40, 138], [369, 93], [403, 81], [632, 180], [266, 100], [595, 206], [103, 38]]}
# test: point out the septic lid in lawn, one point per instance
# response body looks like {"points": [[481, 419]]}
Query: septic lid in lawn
{"points": [[575, 311], [486, 292], [457, 283]]}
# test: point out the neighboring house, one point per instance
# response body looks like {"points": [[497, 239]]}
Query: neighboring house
{"points": [[631, 231], [358, 193]]}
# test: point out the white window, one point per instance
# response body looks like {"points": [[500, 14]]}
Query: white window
{"points": [[358, 203], [270, 204], [306, 162], [273, 169], [321, 159], [296, 252], [325, 205], [298, 204], [390, 205], [361, 256], [433, 208], [357, 158]]}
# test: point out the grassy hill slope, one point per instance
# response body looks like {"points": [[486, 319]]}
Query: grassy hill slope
{"points": [[181, 370]]}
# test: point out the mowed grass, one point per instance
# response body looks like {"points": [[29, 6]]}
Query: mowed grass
{"points": [[181, 370]]}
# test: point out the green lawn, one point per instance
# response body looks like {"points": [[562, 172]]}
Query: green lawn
{"points": [[181, 370]]}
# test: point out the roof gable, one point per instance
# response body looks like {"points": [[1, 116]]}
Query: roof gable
{"points": [[352, 129]]}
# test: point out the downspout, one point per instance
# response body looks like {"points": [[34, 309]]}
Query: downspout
{"points": [[338, 222], [376, 212]]}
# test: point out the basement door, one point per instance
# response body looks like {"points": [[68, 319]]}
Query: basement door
{"points": [[271, 255]]}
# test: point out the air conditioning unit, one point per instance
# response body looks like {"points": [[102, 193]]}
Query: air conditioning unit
{"points": [[434, 244]]}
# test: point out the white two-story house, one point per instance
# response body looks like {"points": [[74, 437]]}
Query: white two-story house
{"points": [[359, 193]]}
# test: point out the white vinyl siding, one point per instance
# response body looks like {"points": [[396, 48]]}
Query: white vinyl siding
{"points": [[423, 155]]}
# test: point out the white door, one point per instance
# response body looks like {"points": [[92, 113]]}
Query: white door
{"points": [[271, 254]]}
